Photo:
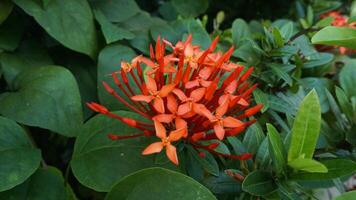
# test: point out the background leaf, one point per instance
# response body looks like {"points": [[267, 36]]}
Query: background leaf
{"points": [[340, 36], [259, 183], [172, 185], [19, 159], [190, 8]]}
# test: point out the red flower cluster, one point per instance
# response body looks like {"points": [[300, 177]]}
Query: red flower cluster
{"points": [[340, 21], [191, 95]]}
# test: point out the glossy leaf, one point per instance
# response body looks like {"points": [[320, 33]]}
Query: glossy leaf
{"points": [[340, 36], [110, 160], [306, 128], [172, 185], [19, 159], [308, 165], [259, 183], [47, 97], [68, 21]]}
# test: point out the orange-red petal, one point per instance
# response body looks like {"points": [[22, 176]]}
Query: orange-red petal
{"points": [[219, 131], [171, 153], [172, 103], [160, 130], [144, 98], [197, 94], [231, 122], [164, 118], [158, 104], [153, 148], [166, 89]]}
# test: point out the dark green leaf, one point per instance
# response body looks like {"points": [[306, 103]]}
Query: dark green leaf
{"points": [[262, 156], [18, 158], [5, 9], [112, 33], [45, 184], [190, 8], [11, 32], [116, 10], [208, 162], [253, 138], [240, 32], [344, 103], [306, 128], [223, 184], [347, 77], [172, 185], [261, 98], [68, 21], [110, 160], [47, 97], [259, 183]]}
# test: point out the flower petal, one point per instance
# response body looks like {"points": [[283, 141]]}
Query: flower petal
{"points": [[171, 153], [158, 104], [191, 84], [144, 98], [222, 109], [153, 148], [219, 131], [166, 89], [164, 118], [231, 122], [172, 103], [151, 84], [180, 94], [184, 108], [197, 94], [160, 130], [200, 109], [176, 135]]}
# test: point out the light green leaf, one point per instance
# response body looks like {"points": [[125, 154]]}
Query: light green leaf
{"points": [[346, 196], [47, 97], [110, 61], [68, 21], [259, 183], [110, 160], [19, 159], [337, 168], [308, 165], [5, 9], [172, 185], [112, 33], [340, 36], [190, 8], [306, 128], [45, 184], [276, 149]]}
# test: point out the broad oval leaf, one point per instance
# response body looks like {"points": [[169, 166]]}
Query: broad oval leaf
{"points": [[308, 165], [47, 97], [240, 32], [306, 128], [116, 10], [340, 36], [158, 183], [18, 158], [190, 8], [45, 184], [276, 149], [110, 61], [68, 21], [259, 183], [336, 168], [110, 160]]}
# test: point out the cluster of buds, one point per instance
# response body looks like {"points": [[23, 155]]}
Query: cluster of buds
{"points": [[189, 95], [339, 20]]}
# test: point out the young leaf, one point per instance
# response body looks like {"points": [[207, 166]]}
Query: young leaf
{"points": [[306, 128], [158, 183], [259, 183], [340, 36], [276, 149], [346, 196], [308, 165]]}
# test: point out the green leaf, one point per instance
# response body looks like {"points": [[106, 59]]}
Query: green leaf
{"points": [[11, 32], [346, 196], [281, 72], [287, 30], [47, 97], [278, 39], [240, 32], [45, 184], [253, 138], [344, 103], [223, 184], [111, 32], [262, 156], [110, 160], [5, 9], [347, 77], [276, 149], [308, 165], [190, 8], [306, 128], [340, 36], [110, 61], [259, 183], [18, 158], [68, 21], [29, 55], [318, 59], [336, 168], [172, 185], [261, 98], [208, 163], [116, 10], [324, 22]]}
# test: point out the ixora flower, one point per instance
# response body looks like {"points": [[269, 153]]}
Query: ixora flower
{"points": [[190, 95]]}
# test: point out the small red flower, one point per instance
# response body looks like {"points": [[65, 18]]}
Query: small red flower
{"points": [[192, 94]]}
